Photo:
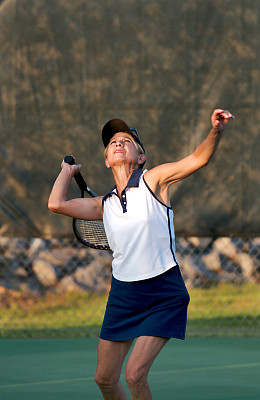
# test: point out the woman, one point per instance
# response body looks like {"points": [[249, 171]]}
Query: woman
{"points": [[148, 299]]}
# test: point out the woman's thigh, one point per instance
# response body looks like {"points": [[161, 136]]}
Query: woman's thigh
{"points": [[143, 354], [111, 356]]}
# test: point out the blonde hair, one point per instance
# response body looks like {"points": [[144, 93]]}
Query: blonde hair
{"points": [[137, 146]]}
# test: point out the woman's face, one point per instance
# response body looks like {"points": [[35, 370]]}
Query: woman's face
{"points": [[123, 149]]}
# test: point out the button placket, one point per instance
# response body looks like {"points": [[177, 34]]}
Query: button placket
{"points": [[124, 201]]}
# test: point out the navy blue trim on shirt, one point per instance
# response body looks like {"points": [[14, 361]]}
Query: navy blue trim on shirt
{"points": [[133, 182], [170, 234], [135, 178], [152, 193]]}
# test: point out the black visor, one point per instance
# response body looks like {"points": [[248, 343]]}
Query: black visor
{"points": [[118, 125]]}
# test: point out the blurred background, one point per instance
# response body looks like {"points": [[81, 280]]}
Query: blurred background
{"points": [[68, 67]]}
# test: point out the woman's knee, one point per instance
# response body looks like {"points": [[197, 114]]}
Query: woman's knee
{"points": [[135, 378], [105, 383]]}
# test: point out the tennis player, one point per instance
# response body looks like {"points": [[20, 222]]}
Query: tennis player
{"points": [[148, 299]]}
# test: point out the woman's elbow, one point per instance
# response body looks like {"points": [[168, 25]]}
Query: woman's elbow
{"points": [[205, 163], [54, 206]]}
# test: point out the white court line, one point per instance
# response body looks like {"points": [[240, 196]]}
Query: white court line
{"points": [[173, 371], [16, 385], [220, 367]]}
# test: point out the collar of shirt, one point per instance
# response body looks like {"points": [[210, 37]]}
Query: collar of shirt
{"points": [[133, 182]]}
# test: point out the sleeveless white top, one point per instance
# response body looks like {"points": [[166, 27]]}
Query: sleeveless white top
{"points": [[140, 231]]}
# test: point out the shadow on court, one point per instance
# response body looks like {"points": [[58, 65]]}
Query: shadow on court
{"points": [[198, 369]]}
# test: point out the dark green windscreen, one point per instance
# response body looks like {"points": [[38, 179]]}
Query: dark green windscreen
{"points": [[67, 67]]}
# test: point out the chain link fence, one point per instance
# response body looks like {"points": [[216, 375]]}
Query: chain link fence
{"points": [[59, 288]]}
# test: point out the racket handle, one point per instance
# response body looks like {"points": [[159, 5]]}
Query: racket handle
{"points": [[69, 160], [78, 177]]}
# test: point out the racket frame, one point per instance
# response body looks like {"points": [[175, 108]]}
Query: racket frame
{"points": [[84, 188]]}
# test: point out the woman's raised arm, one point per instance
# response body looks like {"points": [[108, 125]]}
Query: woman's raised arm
{"points": [[89, 208]]}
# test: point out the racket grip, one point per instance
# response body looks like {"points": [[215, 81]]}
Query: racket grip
{"points": [[69, 160], [78, 177]]}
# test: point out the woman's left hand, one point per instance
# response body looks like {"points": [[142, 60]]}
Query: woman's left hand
{"points": [[220, 118]]}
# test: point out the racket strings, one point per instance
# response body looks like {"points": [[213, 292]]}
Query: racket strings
{"points": [[91, 233]]}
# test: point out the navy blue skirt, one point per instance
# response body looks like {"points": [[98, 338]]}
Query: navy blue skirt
{"points": [[151, 307]]}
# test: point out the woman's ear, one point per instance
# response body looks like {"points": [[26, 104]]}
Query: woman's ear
{"points": [[141, 159], [107, 163]]}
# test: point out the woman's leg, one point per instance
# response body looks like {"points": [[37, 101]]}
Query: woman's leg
{"points": [[142, 356], [111, 356]]}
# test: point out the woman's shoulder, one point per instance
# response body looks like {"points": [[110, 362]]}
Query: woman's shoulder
{"points": [[153, 175], [154, 178]]}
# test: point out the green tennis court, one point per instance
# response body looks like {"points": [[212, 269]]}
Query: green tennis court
{"points": [[198, 369]]}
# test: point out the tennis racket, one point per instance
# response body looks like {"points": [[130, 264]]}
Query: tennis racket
{"points": [[90, 233]]}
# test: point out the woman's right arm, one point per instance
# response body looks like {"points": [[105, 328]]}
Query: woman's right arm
{"points": [[89, 208]]}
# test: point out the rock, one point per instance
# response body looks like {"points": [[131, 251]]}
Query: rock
{"points": [[67, 259], [212, 261], [225, 246], [190, 271], [182, 244], [247, 265], [45, 272], [36, 246], [15, 245], [20, 272], [254, 248], [4, 243], [195, 241], [256, 242], [94, 277], [68, 284]]}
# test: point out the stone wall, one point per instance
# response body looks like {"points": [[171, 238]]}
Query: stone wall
{"points": [[36, 266]]}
